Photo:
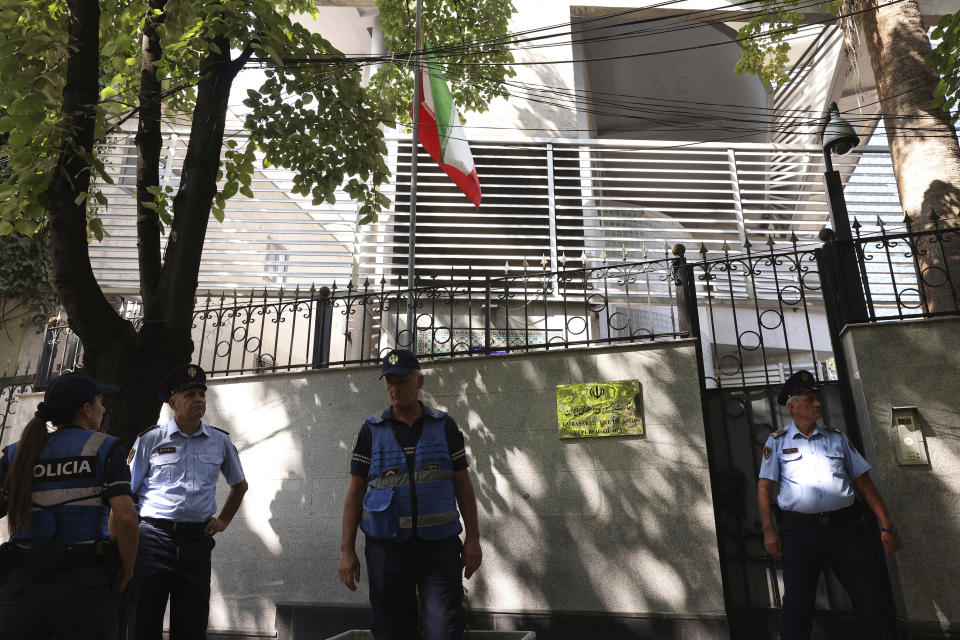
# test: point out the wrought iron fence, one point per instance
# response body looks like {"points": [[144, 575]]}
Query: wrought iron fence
{"points": [[11, 388], [910, 275], [761, 314]]}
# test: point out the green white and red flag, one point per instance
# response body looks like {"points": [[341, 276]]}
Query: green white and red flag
{"points": [[441, 133]]}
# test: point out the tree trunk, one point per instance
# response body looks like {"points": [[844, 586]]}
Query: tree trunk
{"points": [[114, 351], [923, 143]]}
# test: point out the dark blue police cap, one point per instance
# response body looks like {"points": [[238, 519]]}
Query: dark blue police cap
{"points": [[183, 377], [399, 362], [796, 385], [68, 392]]}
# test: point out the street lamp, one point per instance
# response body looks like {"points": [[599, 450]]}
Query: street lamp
{"points": [[837, 136]]}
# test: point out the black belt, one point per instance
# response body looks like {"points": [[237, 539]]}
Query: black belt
{"points": [[175, 526], [824, 517], [78, 556]]}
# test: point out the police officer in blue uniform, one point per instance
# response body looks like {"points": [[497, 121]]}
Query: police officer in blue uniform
{"points": [[408, 474], [174, 469], [64, 493], [817, 470]]}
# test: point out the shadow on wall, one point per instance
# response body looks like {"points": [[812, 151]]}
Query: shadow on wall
{"points": [[915, 364], [605, 525]]}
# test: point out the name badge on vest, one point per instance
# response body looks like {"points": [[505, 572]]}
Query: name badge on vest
{"points": [[791, 450], [430, 467], [162, 450]]}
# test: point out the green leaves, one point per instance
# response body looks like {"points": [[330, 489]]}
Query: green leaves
{"points": [[25, 273], [765, 48], [945, 59], [447, 24]]}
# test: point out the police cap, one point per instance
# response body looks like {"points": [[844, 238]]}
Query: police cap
{"points": [[68, 392], [183, 377], [399, 362], [796, 385]]}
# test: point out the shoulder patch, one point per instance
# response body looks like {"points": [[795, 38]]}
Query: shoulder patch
{"points": [[221, 430], [130, 455], [147, 430], [834, 429], [779, 433]]}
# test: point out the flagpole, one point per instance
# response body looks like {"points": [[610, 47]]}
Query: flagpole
{"points": [[414, 152]]}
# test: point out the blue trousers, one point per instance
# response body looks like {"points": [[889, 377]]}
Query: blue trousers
{"points": [[174, 566], [399, 571], [842, 544]]}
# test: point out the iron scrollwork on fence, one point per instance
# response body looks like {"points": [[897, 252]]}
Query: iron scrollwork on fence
{"points": [[762, 314], [910, 274]]}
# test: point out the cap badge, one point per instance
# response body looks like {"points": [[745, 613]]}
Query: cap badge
{"points": [[805, 376], [393, 358], [191, 371]]}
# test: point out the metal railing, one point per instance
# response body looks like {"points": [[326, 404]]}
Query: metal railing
{"points": [[910, 275], [761, 314]]}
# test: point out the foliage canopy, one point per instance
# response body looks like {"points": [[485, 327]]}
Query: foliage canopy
{"points": [[315, 119], [945, 59]]}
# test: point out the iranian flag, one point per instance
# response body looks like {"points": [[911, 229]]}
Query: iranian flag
{"points": [[441, 133]]}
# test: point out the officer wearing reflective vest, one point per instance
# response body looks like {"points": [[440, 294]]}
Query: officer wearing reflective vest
{"points": [[64, 493], [817, 468], [408, 477]]}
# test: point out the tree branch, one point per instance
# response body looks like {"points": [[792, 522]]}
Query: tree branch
{"points": [[242, 59], [198, 186], [89, 313], [149, 145]]}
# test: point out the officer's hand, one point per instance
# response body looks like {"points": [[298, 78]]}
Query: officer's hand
{"points": [[472, 556], [213, 525], [349, 569], [771, 542], [891, 542], [125, 579]]}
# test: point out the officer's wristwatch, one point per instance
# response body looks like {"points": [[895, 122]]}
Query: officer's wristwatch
{"points": [[892, 530]]}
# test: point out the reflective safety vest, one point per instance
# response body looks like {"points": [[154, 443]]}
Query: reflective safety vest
{"points": [[387, 505], [68, 478]]}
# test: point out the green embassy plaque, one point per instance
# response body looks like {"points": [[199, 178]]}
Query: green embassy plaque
{"points": [[595, 409]]}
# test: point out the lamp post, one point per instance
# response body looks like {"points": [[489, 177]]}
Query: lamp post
{"points": [[839, 137], [839, 252]]}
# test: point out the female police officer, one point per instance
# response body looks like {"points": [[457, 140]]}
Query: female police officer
{"points": [[61, 573]]}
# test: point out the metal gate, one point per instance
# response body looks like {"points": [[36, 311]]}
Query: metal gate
{"points": [[759, 317]]}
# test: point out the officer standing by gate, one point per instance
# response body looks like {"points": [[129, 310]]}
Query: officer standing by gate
{"points": [[64, 493], [408, 474], [175, 468], [817, 469]]}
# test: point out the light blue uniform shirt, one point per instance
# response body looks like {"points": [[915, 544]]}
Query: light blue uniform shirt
{"points": [[815, 474], [175, 475]]}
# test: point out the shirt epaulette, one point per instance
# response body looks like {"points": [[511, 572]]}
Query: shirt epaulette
{"points": [[780, 432], [221, 430], [834, 429], [147, 430]]}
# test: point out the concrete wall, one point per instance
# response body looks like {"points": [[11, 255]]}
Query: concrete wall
{"points": [[596, 525], [915, 363]]}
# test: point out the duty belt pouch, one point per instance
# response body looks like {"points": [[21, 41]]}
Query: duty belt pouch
{"points": [[45, 559], [383, 513]]}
